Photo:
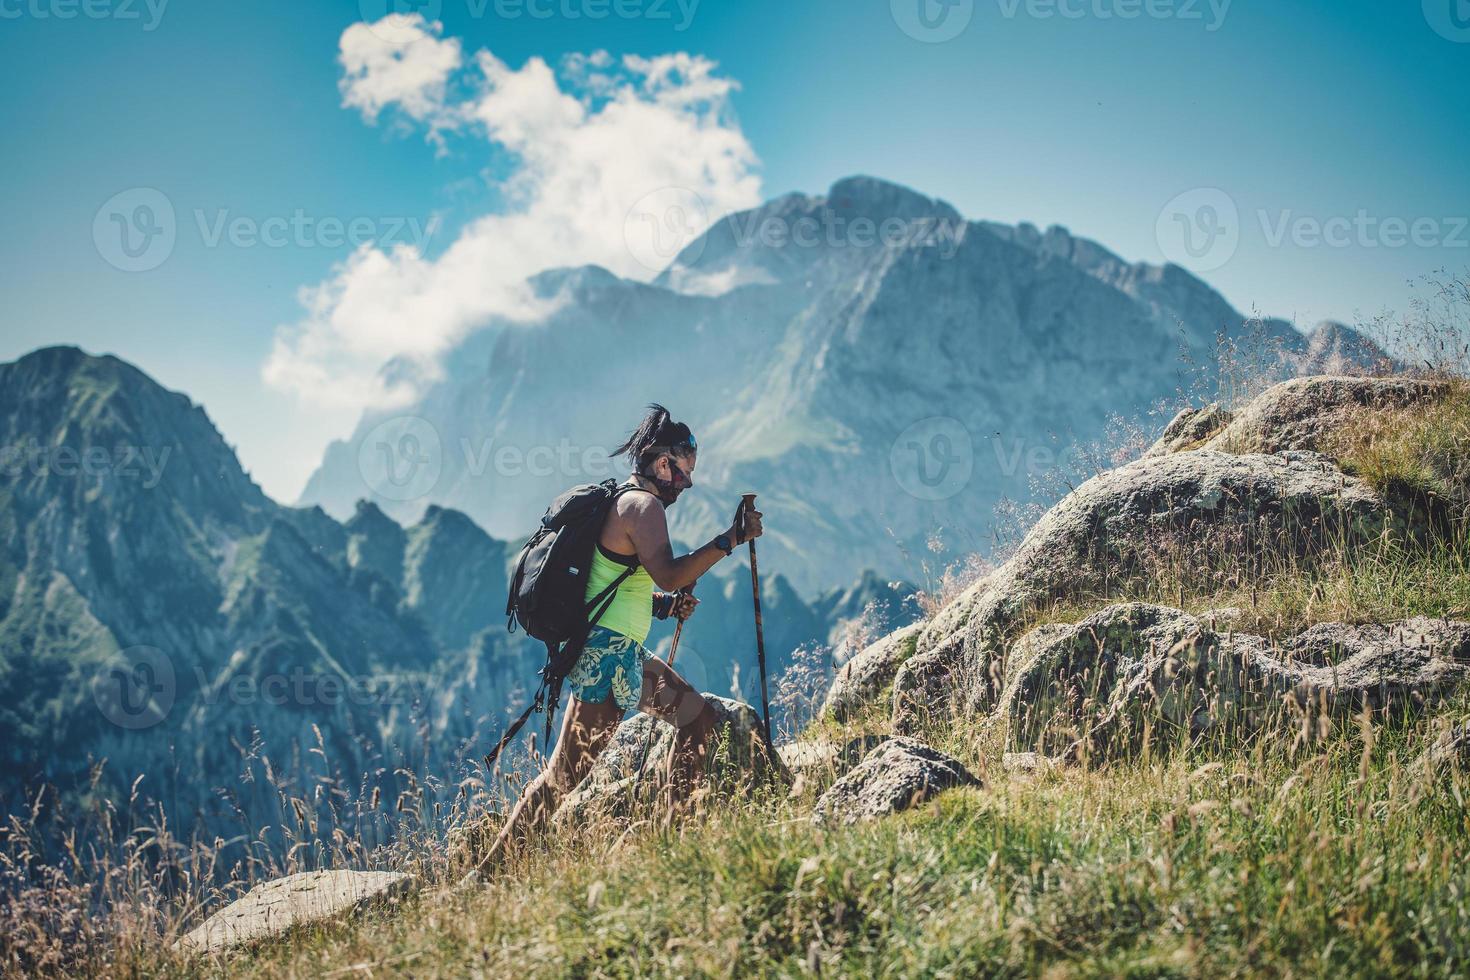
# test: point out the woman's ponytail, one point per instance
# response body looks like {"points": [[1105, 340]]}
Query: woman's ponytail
{"points": [[657, 429]]}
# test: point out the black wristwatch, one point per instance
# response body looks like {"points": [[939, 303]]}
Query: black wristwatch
{"points": [[723, 543]]}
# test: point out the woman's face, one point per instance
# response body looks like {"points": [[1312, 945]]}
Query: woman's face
{"points": [[677, 471]]}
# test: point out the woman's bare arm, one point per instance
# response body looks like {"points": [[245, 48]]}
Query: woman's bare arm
{"points": [[649, 530]]}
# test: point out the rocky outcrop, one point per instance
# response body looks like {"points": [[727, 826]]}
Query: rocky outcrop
{"points": [[900, 773], [864, 677], [1135, 673], [628, 769], [1305, 413], [1190, 428], [273, 908], [1190, 513]]}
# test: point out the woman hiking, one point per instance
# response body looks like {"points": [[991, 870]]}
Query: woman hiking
{"points": [[615, 673]]}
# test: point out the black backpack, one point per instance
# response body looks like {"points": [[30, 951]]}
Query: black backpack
{"points": [[548, 587]]}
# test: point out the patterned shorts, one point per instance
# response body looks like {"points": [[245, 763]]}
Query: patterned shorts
{"points": [[611, 663]]}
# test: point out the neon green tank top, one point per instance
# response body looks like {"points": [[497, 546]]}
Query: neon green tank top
{"points": [[631, 612]]}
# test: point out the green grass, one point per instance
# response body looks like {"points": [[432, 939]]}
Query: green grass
{"points": [[1323, 864]]}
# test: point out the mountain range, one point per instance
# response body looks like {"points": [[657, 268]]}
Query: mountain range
{"points": [[162, 618], [884, 373]]}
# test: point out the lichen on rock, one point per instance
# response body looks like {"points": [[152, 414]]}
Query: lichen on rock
{"points": [[898, 774]]}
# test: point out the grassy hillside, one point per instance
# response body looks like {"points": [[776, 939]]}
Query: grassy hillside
{"points": [[1339, 859], [1318, 843]]}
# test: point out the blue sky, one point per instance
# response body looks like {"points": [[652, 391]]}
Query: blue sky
{"points": [[1051, 112]]}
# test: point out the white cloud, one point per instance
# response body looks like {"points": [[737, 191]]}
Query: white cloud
{"points": [[586, 147], [414, 74]]}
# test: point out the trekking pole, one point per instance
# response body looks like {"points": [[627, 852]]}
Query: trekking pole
{"points": [[747, 504], [678, 627], [673, 649]]}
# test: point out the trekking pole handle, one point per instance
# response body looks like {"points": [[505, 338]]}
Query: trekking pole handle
{"points": [[747, 504], [679, 626]]}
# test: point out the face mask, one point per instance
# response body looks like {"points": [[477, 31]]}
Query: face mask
{"points": [[669, 490]]}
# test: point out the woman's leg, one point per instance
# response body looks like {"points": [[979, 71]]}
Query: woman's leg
{"points": [[670, 698], [586, 730]]}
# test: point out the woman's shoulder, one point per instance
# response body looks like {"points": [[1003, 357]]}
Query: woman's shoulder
{"points": [[634, 501]]}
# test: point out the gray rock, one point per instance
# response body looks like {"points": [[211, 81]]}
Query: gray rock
{"points": [[898, 774], [629, 767], [1303, 414], [1190, 510], [1189, 429], [825, 754], [813, 762], [1449, 749], [1134, 672], [864, 677], [1028, 763], [275, 907]]}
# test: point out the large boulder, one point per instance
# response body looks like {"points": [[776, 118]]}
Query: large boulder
{"points": [[899, 773], [1135, 673], [1194, 514], [864, 677], [628, 770], [273, 908], [1306, 413]]}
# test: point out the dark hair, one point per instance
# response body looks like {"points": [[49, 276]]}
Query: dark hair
{"points": [[656, 431]]}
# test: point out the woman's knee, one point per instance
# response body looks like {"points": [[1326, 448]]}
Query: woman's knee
{"points": [[703, 723]]}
